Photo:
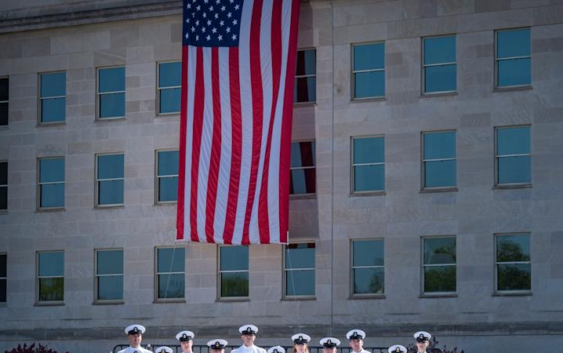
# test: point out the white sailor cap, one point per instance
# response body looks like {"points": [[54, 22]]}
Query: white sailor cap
{"points": [[248, 330], [422, 336], [356, 334], [163, 349], [397, 349], [135, 329], [300, 338], [217, 344], [185, 336], [329, 342], [276, 349]]}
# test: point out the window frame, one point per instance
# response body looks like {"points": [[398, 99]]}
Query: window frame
{"points": [[424, 65], [496, 61], [354, 295], [306, 76], [353, 72], [423, 162], [496, 263], [157, 299], [158, 177], [4, 210], [158, 88], [309, 194], [99, 94], [96, 181], [39, 184], [220, 272], [38, 278], [3, 303], [423, 266], [97, 276], [7, 102], [496, 157], [352, 165], [40, 99], [285, 296]]}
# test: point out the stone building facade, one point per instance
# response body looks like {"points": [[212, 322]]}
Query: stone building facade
{"points": [[81, 37]]}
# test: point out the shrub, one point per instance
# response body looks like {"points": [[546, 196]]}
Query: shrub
{"points": [[32, 349]]}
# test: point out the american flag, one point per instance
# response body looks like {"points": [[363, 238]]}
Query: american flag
{"points": [[235, 135]]}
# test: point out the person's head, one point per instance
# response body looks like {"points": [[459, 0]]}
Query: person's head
{"points": [[276, 349], [217, 346], [397, 349], [300, 343], [329, 344], [135, 335], [163, 349], [248, 334], [356, 338], [186, 340], [422, 340]]}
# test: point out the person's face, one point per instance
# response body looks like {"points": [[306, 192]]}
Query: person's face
{"points": [[329, 350], [421, 346], [135, 340], [248, 340], [222, 350], [300, 348], [356, 344], [187, 345]]}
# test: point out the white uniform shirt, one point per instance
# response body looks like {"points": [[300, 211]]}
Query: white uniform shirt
{"points": [[251, 349], [362, 351], [133, 350]]}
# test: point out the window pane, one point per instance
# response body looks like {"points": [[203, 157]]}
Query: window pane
{"points": [[52, 195], [369, 150], [234, 284], [302, 181], [369, 57], [4, 89], [513, 43], [439, 145], [110, 288], [369, 84], [3, 173], [440, 174], [170, 74], [439, 251], [3, 291], [369, 178], [112, 80], [168, 189], [51, 289], [369, 280], [109, 262], [439, 50], [53, 110], [3, 198], [514, 72], [514, 277], [305, 89], [514, 170], [300, 283], [170, 100], [53, 85], [3, 265], [513, 248], [3, 114], [368, 253], [171, 286], [440, 78], [234, 258], [440, 279], [514, 140], [51, 264], [52, 170], [112, 105], [306, 62], [168, 163], [110, 192], [171, 260], [110, 166], [303, 154], [300, 256]]}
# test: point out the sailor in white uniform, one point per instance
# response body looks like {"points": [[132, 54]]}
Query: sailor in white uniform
{"points": [[397, 349], [422, 341], [248, 335], [135, 336], [329, 344], [163, 349], [276, 349], [186, 341], [217, 345], [356, 338], [300, 343]]}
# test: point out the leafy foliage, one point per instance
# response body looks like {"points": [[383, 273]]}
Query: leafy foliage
{"points": [[32, 349]]}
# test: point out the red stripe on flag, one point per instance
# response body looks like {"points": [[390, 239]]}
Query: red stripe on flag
{"points": [[199, 97], [183, 132], [236, 145], [286, 123], [257, 111], [215, 161], [276, 47]]}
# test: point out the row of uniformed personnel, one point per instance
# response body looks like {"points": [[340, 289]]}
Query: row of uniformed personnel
{"points": [[248, 335]]}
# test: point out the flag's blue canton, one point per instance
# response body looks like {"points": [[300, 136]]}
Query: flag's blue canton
{"points": [[212, 23]]}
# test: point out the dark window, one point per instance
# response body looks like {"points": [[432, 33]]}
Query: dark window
{"points": [[109, 275], [170, 273], [111, 93], [233, 270], [110, 179], [439, 159], [368, 267], [513, 58], [169, 87], [3, 186], [439, 266], [513, 156], [4, 100], [52, 97], [368, 164], [299, 270], [440, 67], [167, 176], [513, 265], [369, 70], [50, 269], [51, 182], [303, 171], [306, 76]]}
